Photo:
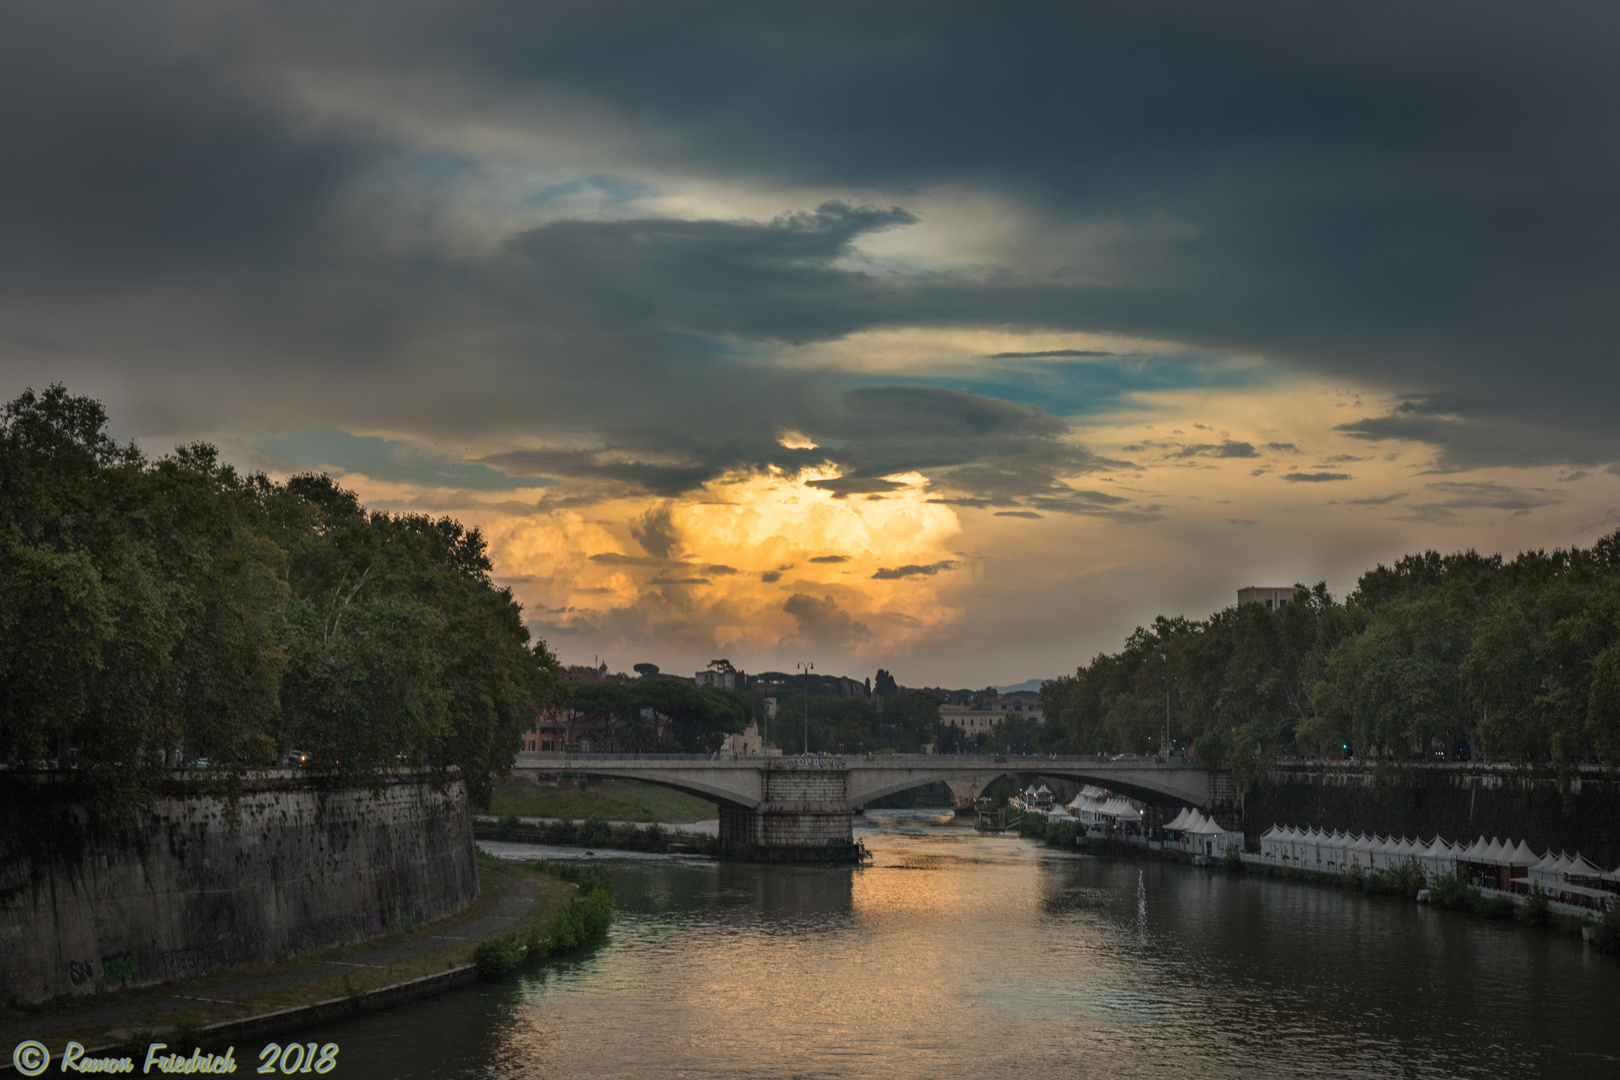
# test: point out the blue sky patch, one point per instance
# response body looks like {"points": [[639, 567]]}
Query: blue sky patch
{"points": [[395, 460]]}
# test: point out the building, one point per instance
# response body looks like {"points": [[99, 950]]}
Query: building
{"points": [[547, 733], [748, 741], [971, 720], [1025, 703], [988, 708], [722, 678], [1272, 596]]}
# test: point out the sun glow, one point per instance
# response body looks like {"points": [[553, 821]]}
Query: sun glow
{"points": [[753, 564]]}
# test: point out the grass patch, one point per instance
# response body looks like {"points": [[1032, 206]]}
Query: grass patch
{"points": [[611, 802]]}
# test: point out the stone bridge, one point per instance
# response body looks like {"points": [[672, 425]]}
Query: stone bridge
{"points": [[804, 803]]}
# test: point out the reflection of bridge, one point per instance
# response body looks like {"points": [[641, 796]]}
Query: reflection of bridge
{"points": [[808, 802]]}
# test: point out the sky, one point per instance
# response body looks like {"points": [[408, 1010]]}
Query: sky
{"points": [[952, 339]]}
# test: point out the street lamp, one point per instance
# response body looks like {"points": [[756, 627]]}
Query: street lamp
{"points": [[807, 667], [1166, 658]]}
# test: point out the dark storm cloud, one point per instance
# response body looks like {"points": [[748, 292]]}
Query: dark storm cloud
{"points": [[1314, 477], [1445, 498], [655, 531], [844, 486], [975, 451], [914, 570], [771, 281], [1047, 353], [1422, 197], [824, 623], [1224, 449], [1470, 434]]}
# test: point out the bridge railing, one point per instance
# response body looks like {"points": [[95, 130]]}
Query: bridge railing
{"points": [[985, 760]]}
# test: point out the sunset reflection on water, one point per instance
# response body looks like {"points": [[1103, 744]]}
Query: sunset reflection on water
{"points": [[959, 955]]}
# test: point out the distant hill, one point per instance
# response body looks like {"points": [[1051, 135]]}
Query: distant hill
{"points": [[1027, 684]]}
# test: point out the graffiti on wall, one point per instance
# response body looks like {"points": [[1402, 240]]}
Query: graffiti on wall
{"points": [[118, 968]]}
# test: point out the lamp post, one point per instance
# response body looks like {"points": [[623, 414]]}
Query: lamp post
{"points": [[1166, 658], [807, 667]]}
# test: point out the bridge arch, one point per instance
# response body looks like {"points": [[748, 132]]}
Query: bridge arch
{"points": [[718, 782], [1179, 788]]}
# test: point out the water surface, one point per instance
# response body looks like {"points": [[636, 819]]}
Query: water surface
{"points": [[958, 955]]}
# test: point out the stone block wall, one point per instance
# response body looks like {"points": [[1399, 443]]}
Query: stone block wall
{"points": [[182, 889], [804, 807]]}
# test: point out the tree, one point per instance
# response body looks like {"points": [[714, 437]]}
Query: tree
{"points": [[908, 720], [174, 610]]}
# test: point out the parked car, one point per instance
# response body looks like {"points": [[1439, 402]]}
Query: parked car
{"points": [[1127, 757], [295, 757]]}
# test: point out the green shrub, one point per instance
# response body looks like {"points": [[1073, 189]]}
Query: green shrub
{"points": [[1606, 931], [498, 957], [1453, 891], [1232, 860], [1535, 911], [584, 919], [593, 831], [1404, 879], [1499, 907], [1062, 834]]}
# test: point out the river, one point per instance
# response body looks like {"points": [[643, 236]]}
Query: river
{"points": [[959, 955]]}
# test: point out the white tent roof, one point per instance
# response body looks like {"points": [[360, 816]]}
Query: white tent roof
{"points": [[1521, 855], [1579, 865], [1549, 863], [1271, 834], [1122, 809], [1180, 820], [1438, 848]]}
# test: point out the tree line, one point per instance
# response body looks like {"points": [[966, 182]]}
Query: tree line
{"points": [[1439, 657], [156, 612], [660, 714]]}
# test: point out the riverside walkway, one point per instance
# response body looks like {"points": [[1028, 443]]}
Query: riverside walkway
{"points": [[442, 947]]}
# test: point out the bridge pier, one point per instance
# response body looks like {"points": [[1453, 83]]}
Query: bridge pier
{"points": [[804, 813]]}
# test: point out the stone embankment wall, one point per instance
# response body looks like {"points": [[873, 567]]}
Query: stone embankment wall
{"points": [[1457, 802], [182, 889]]}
